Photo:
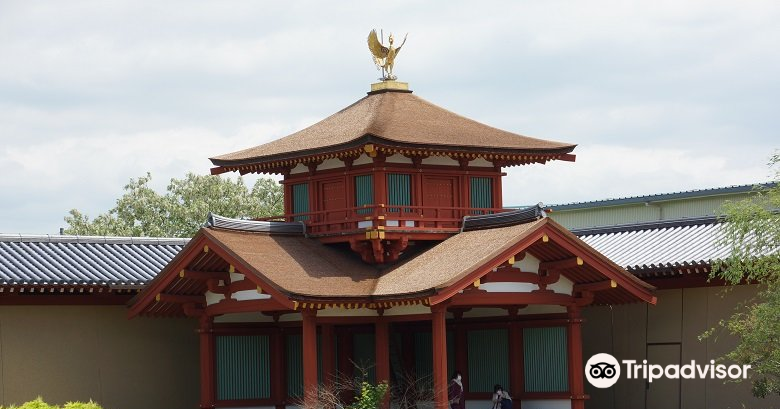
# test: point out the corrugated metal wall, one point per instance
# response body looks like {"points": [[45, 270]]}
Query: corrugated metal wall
{"points": [[488, 353], [545, 358], [423, 357], [481, 192], [399, 191], [294, 354], [243, 367], [364, 355], [300, 202], [364, 191], [633, 213]]}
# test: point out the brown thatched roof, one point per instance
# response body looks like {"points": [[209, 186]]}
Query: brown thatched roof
{"points": [[395, 118]]}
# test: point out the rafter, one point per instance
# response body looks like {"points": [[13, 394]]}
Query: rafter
{"points": [[180, 299], [560, 264]]}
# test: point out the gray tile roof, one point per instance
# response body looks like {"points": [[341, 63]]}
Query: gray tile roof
{"points": [[658, 245], [728, 190], [120, 262]]}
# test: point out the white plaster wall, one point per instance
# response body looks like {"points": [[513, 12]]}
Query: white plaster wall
{"points": [[342, 312], [362, 160], [299, 168], [332, 163], [249, 295], [509, 287], [244, 317], [541, 309], [291, 317], [213, 298], [562, 286], [480, 404], [398, 158], [528, 263], [440, 160], [546, 404], [481, 162], [485, 312], [408, 310]]}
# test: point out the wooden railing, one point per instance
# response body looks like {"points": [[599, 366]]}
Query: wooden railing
{"points": [[392, 217]]}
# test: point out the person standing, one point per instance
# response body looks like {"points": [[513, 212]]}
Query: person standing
{"points": [[455, 392]]}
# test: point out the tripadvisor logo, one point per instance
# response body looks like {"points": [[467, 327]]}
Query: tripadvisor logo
{"points": [[603, 370]]}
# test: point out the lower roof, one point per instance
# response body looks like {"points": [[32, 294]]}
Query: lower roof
{"points": [[294, 268]]}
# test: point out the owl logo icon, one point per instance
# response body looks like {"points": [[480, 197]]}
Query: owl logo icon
{"points": [[602, 370]]}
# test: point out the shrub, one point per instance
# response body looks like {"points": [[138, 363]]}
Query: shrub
{"points": [[38, 403]]}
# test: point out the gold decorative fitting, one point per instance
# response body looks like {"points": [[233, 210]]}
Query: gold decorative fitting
{"points": [[231, 269], [545, 238], [205, 249]]}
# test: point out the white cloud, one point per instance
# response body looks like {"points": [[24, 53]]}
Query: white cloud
{"points": [[661, 96], [611, 171]]}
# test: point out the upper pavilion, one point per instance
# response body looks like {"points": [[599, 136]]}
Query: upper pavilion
{"points": [[390, 169]]}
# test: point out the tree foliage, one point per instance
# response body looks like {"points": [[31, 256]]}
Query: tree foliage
{"points": [[752, 234], [182, 209]]}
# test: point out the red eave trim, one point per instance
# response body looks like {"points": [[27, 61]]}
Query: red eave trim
{"points": [[167, 275], [249, 272], [611, 270], [481, 271]]}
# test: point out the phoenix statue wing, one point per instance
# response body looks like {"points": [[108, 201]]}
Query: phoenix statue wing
{"points": [[398, 50], [377, 49]]}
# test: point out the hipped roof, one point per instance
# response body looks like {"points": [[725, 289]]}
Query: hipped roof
{"points": [[298, 268], [396, 118]]}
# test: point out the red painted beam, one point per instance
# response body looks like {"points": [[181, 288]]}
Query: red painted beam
{"points": [[484, 298], [207, 383], [576, 370], [310, 385], [439, 335], [232, 306]]}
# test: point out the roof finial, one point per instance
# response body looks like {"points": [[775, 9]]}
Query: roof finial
{"points": [[384, 57]]}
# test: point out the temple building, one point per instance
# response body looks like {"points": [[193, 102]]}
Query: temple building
{"points": [[394, 260]]}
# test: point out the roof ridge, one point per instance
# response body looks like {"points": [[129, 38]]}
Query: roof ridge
{"points": [[724, 190], [65, 238], [648, 225]]}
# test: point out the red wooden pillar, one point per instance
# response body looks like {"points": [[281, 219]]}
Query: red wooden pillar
{"points": [[309, 357], [328, 356], [207, 397], [380, 180], [439, 335], [382, 345], [516, 364], [278, 383], [576, 370]]}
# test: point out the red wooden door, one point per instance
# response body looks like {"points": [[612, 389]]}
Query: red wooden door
{"points": [[441, 193], [333, 200]]}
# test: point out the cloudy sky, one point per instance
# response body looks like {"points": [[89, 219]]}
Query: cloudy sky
{"points": [[661, 96]]}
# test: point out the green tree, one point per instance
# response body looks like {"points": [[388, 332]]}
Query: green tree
{"points": [[182, 209], [751, 232]]}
